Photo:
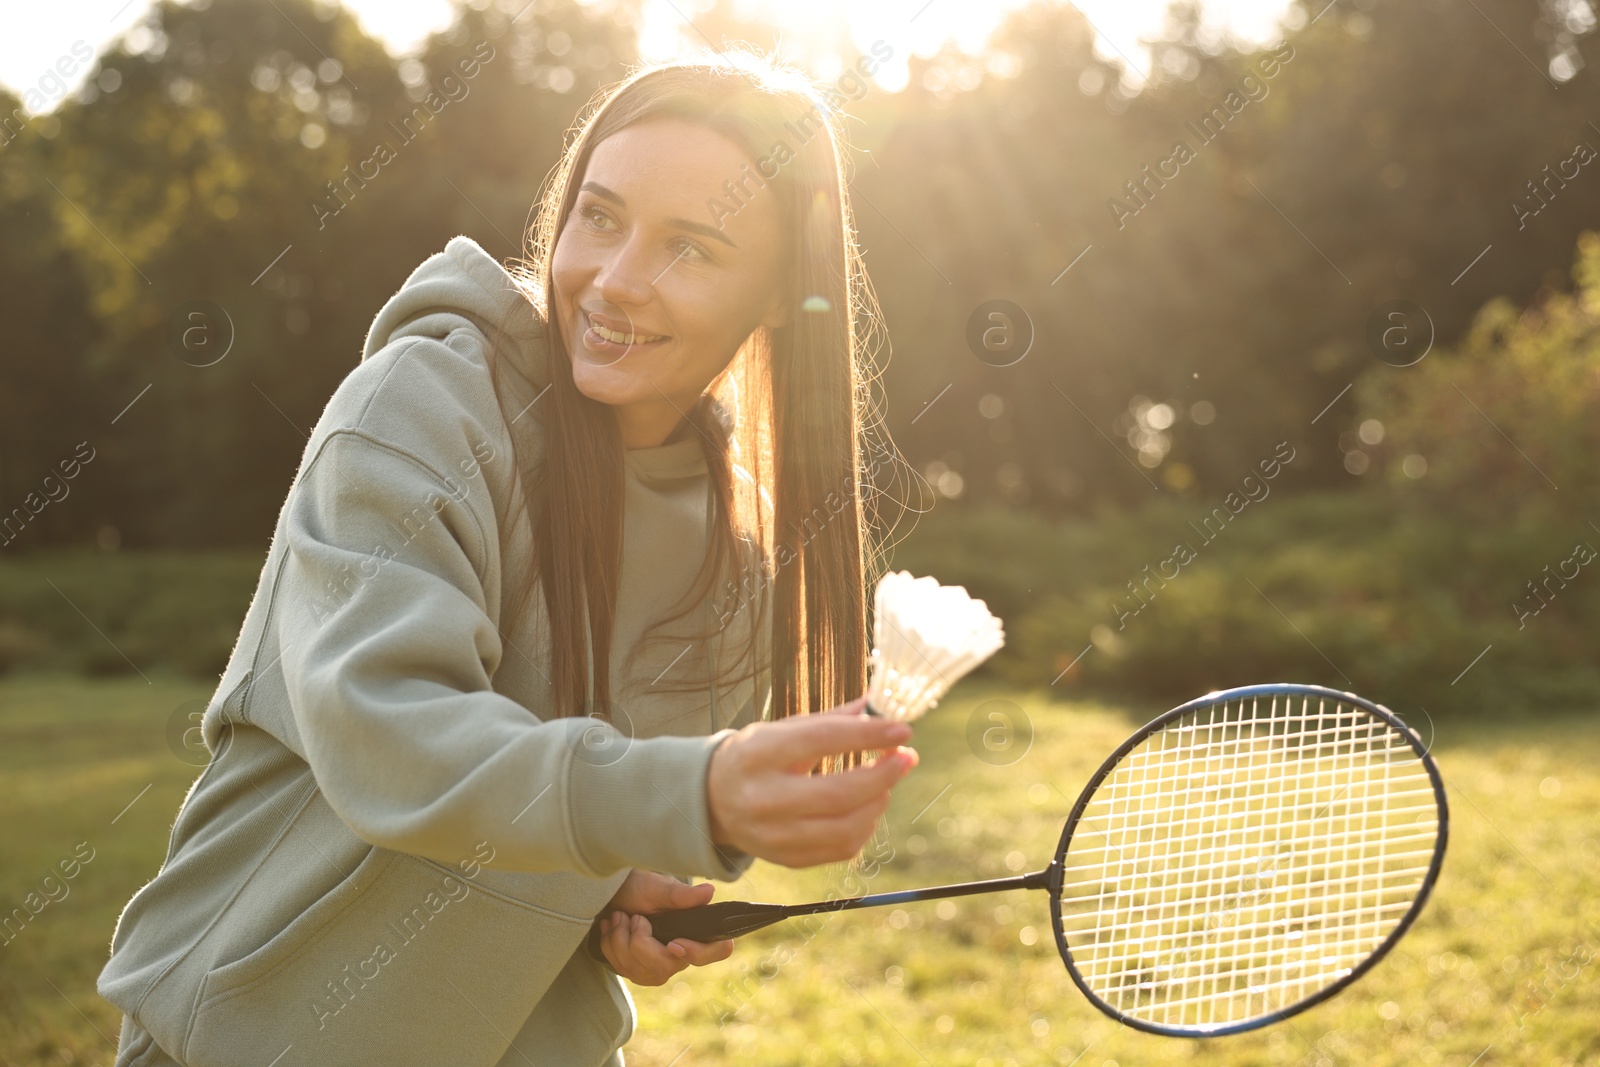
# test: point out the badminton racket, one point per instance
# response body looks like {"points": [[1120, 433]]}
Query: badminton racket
{"points": [[1237, 860]]}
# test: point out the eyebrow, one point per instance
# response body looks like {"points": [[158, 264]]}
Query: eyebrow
{"points": [[683, 224]]}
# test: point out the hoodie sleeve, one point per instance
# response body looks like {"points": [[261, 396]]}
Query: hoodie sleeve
{"points": [[390, 656]]}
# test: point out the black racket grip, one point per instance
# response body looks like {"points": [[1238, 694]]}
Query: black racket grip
{"points": [[714, 922], [709, 922]]}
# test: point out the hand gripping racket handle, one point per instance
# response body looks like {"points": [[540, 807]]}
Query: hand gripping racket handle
{"points": [[709, 922], [715, 922]]}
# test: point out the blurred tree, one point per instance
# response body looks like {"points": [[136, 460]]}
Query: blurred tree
{"points": [[481, 176], [189, 161], [1367, 163], [1503, 423], [44, 304], [268, 157], [256, 155]]}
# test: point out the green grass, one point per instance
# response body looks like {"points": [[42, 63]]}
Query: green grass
{"points": [[1487, 965], [73, 754]]}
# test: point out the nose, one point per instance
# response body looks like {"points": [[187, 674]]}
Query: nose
{"points": [[626, 275]]}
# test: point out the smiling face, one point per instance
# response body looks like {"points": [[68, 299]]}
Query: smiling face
{"points": [[653, 298]]}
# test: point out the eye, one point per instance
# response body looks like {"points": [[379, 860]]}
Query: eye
{"points": [[688, 249], [591, 213]]}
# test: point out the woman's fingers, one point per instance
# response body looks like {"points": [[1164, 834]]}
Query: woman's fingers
{"points": [[688, 896], [858, 706], [700, 953], [634, 954], [836, 794], [808, 738], [808, 842], [647, 892], [614, 942], [651, 954], [637, 956], [628, 951], [762, 797], [661, 892]]}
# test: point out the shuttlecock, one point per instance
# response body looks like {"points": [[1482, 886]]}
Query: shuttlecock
{"points": [[926, 636]]}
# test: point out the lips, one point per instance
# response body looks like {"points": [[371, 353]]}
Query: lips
{"points": [[620, 331]]}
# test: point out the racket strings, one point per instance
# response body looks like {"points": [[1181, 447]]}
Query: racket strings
{"points": [[1244, 857]]}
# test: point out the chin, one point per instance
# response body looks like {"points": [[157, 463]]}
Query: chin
{"points": [[608, 385]]}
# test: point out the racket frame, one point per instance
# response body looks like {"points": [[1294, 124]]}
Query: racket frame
{"points": [[1284, 689]]}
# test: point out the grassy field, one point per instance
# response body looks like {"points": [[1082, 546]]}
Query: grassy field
{"points": [[1501, 967]]}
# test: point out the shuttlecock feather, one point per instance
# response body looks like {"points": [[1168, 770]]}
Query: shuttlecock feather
{"points": [[926, 636]]}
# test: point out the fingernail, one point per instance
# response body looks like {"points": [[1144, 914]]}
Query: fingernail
{"points": [[908, 757], [677, 950], [899, 732]]}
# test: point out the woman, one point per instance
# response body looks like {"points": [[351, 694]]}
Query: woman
{"points": [[427, 782]]}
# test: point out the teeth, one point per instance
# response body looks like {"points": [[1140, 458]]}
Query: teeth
{"points": [[623, 338]]}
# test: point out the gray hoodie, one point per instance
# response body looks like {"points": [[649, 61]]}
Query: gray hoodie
{"points": [[399, 844]]}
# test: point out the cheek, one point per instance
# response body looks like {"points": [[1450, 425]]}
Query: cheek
{"points": [[716, 314], [709, 333], [575, 258], [564, 266], [569, 273]]}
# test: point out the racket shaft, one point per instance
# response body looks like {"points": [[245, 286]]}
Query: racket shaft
{"points": [[734, 918], [1036, 880]]}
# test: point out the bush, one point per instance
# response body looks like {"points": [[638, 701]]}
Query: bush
{"points": [[1509, 420], [1363, 592], [108, 613], [1454, 576]]}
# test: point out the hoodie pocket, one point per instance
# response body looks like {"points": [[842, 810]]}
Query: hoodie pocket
{"points": [[403, 961]]}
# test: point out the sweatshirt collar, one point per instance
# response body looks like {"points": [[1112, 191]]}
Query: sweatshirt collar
{"points": [[676, 461]]}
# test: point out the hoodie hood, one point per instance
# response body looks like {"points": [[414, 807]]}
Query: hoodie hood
{"points": [[464, 286]]}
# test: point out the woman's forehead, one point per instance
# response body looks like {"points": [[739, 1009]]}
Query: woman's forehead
{"points": [[673, 168]]}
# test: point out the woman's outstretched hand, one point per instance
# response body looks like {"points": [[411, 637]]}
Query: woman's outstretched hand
{"points": [[765, 801], [625, 929]]}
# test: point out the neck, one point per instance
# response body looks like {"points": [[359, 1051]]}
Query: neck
{"points": [[658, 424]]}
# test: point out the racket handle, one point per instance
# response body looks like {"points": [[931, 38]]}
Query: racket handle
{"points": [[710, 922], [715, 922]]}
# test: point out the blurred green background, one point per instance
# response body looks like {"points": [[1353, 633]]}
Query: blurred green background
{"points": [[1320, 405]]}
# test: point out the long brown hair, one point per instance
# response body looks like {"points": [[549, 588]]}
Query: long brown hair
{"points": [[786, 428]]}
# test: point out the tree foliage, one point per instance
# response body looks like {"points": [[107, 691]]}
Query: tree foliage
{"points": [[1505, 421], [267, 157]]}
